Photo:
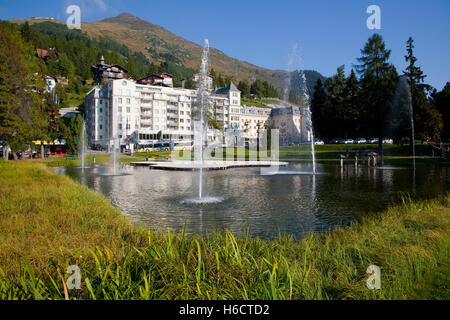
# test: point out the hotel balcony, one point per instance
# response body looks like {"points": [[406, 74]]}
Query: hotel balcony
{"points": [[173, 116], [159, 96], [146, 122], [172, 124], [146, 107], [172, 108]]}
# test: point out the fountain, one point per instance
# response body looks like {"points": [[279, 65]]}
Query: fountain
{"points": [[116, 148], [309, 123], [411, 117], [83, 145], [309, 127], [202, 100]]}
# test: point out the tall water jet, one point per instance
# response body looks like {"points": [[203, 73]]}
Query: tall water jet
{"points": [[411, 117], [202, 100], [83, 146], [115, 150], [310, 127], [293, 57]]}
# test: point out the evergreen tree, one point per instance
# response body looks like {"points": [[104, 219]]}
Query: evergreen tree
{"points": [[296, 98], [441, 101], [152, 69], [318, 105], [351, 106], [244, 87], [22, 110], [378, 84], [427, 120]]}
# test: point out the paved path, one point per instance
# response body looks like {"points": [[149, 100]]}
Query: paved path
{"points": [[209, 165]]}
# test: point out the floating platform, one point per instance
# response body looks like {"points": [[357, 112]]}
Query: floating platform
{"points": [[208, 165]]}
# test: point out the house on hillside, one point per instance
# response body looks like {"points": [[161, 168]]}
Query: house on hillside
{"points": [[103, 72], [51, 53], [164, 79]]}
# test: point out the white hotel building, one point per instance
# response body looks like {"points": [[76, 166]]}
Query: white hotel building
{"points": [[144, 114]]}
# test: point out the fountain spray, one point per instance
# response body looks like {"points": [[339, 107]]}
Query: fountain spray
{"points": [[203, 97]]}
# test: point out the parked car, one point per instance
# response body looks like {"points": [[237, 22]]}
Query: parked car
{"points": [[388, 141], [360, 141], [319, 142], [346, 141], [372, 141], [335, 141]]}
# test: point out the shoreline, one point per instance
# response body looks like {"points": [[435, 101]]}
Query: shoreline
{"points": [[52, 221]]}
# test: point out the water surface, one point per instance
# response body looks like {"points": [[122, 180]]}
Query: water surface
{"points": [[289, 202]]}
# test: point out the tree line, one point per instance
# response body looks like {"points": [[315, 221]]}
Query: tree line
{"points": [[374, 100]]}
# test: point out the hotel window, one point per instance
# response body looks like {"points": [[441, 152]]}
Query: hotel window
{"points": [[120, 100], [128, 109], [156, 120], [101, 101], [181, 120], [120, 126], [101, 110], [156, 111], [128, 100], [235, 94], [182, 112], [120, 109]]}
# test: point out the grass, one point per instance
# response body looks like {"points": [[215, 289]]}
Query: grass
{"points": [[393, 154], [48, 222]]}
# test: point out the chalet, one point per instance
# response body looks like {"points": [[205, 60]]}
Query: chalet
{"points": [[164, 80], [51, 53], [103, 72]]}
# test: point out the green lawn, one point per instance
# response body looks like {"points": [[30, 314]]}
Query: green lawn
{"points": [[48, 222], [393, 154]]}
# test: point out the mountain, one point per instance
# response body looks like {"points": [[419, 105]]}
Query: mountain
{"points": [[159, 44]]}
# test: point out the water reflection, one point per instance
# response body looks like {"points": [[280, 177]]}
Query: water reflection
{"points": [[265, 205]]}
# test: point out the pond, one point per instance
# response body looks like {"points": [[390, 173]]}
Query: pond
{"points": [[263, 205]]}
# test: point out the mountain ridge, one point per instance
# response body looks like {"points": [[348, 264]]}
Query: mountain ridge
{"points": [[160, 44]]}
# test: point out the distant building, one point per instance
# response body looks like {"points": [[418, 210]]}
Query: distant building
{"points": [[140, 113], [291, 122], [103, 72], [50, 83], [196, 78], [51, 53], [164, 79], [143, 114]]}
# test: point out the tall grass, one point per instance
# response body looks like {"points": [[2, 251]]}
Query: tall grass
{"points": [[48, 222]]}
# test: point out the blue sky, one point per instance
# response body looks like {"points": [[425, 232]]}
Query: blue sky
{"points": [[327, 33]]}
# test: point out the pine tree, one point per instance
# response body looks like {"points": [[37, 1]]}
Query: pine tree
{"points": [[427, 121], [318, 104], [378, 84], [244, 87], [352, 111]]}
